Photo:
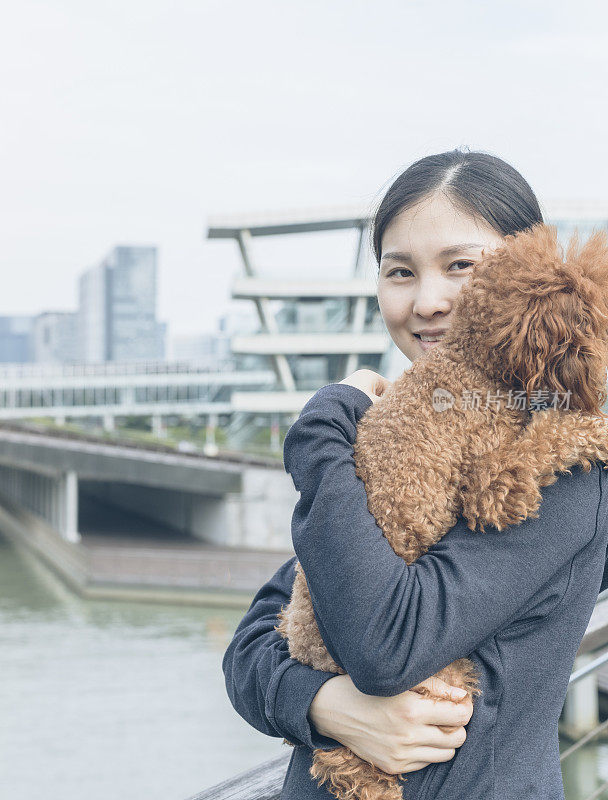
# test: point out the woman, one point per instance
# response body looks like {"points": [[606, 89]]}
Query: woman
{"points": [[516, 602]]}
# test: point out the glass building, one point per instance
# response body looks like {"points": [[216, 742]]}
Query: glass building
{"points": [[15, 339], [55, 337], [117, 308]]}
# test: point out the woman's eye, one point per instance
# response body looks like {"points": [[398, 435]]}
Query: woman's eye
{"points": [[465, 263], [401, 269]]}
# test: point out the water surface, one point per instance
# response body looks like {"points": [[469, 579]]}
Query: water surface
{"points": [[109, 700]]}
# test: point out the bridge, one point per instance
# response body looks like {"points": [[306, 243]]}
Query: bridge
{"points": [[125, 520], [109, 389]]}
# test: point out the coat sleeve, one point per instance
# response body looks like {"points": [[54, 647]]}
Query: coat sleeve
{"points": [[390, 625], [270, 690]]}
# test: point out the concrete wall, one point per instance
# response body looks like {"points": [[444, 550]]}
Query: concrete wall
{"points": [[258, 517]]}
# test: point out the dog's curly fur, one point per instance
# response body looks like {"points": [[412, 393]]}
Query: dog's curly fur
{"points": [[527, 320]]}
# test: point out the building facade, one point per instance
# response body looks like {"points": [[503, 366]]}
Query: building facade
{"points": [[15, 339], [314, 326], [117, 308], [55, 337], [315, 329]]}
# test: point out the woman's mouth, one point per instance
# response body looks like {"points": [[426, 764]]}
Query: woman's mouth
{"points": [[429, 341]]}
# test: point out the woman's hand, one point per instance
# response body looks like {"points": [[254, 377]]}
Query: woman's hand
{"points": [[370, 382], [398, 733]]}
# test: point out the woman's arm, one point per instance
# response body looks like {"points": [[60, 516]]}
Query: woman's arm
{"points": [[282, 697], [270, 690], [391, 625]]}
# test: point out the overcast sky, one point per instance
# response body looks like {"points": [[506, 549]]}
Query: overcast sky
{"points": [[130, 121]]}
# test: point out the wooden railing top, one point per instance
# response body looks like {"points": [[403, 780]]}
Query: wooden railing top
{"points": [[263, 782]]}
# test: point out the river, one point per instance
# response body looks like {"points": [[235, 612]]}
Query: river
{"points": [[110, 700]]}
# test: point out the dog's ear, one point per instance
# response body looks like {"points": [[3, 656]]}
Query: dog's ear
{"points": [[541, 320], [561, 342]]}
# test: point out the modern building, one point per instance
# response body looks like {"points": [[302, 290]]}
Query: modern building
{"points": [[210, 349], [15, 339], [317, 326], [312, 328], [117, 308], [55, 337], [213, 348]]}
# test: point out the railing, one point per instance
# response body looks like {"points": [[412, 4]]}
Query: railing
{"points": [[114, 368], [595, 638], [264, 782]]}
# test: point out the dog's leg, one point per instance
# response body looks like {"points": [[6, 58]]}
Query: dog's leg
{"points": [[504, 487], [298, 625], [347, 776]]}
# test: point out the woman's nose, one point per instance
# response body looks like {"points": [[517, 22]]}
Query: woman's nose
{"points": [[430, 302]]}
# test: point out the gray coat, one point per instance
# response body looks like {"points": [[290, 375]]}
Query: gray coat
{"points": [[517, 602]]}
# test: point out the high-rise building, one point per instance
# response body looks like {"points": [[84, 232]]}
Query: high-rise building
{"points": [[93, 317], [15, 339], [55, 337], [212, 349], [117, 308]]}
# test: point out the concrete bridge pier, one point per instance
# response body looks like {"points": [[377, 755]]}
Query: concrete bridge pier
{"points": [[159, 428], [210, 430], [53, 497], [67, 490]]}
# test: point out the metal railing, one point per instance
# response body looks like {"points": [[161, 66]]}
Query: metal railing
{"points": [[114, 368], [595, 638]]}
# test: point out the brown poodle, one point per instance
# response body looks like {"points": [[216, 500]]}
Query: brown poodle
{"points": [[529, 325]]}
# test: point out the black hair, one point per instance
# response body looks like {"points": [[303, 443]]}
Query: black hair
{"points": [[476, 182]]}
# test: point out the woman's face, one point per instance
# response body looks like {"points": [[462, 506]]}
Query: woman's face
{"points": [[428, 253]]}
